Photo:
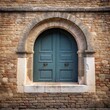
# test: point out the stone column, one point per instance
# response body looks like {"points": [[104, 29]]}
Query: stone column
{"points": [[80, 67]]}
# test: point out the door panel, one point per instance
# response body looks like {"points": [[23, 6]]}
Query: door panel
{"points": [[46, 75], [66, 56], [65, 75], [64, 42], [66, 60], [44, 61], [55, 57], [46, 43]]}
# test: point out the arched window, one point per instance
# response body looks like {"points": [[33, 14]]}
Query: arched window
{"points": [[55, 54]]}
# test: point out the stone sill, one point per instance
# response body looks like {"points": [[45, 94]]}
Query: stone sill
{"points": [[58, 87], [53, 83]]}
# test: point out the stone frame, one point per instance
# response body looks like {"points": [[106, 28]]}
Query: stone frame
{"points": [[86, 68]]}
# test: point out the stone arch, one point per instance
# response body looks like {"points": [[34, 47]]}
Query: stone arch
{"points": [[57, 20], [60, 20]]}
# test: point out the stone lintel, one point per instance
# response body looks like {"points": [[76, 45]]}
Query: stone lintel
{"points": [[54, 9]]}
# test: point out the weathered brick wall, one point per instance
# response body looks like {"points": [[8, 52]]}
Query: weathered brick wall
{"points": [[53, 3], [12, 25], [52, 100]]}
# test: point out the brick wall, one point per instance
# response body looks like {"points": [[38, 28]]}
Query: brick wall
{"points": [[55, 3], [58, 100], [12, 25]]}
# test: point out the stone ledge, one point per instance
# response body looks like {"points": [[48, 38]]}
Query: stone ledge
{"points": [[57, 88], [89, 53], [54, 9], [24, 52]]}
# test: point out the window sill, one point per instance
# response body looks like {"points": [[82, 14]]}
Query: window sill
{"points": [[58, 87]]}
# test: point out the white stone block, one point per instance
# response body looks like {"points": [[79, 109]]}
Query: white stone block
{"points": [[90, 73], [21, 72]]}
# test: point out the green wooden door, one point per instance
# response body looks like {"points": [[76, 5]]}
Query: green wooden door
{"points": [[55, 57]]}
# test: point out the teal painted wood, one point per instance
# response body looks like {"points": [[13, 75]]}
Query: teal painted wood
{"points": [[66, 58], [44, 55], [55, 57]]}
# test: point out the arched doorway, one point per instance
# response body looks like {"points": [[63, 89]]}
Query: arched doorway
{"points": [[86, 62], [55, 57]]}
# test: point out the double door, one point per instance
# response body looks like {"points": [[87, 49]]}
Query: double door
{"points": [[55, 57]]}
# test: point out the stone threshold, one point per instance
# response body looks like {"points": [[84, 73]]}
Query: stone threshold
{"points": [[51, 87]]}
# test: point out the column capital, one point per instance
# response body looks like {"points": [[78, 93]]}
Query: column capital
{"points": [[80, 53]]}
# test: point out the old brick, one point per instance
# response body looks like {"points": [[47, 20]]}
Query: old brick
{"points": [[14, 24]]}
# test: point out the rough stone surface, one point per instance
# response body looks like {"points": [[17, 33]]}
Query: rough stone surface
{"points": [[12, 26], [55, 3]]}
